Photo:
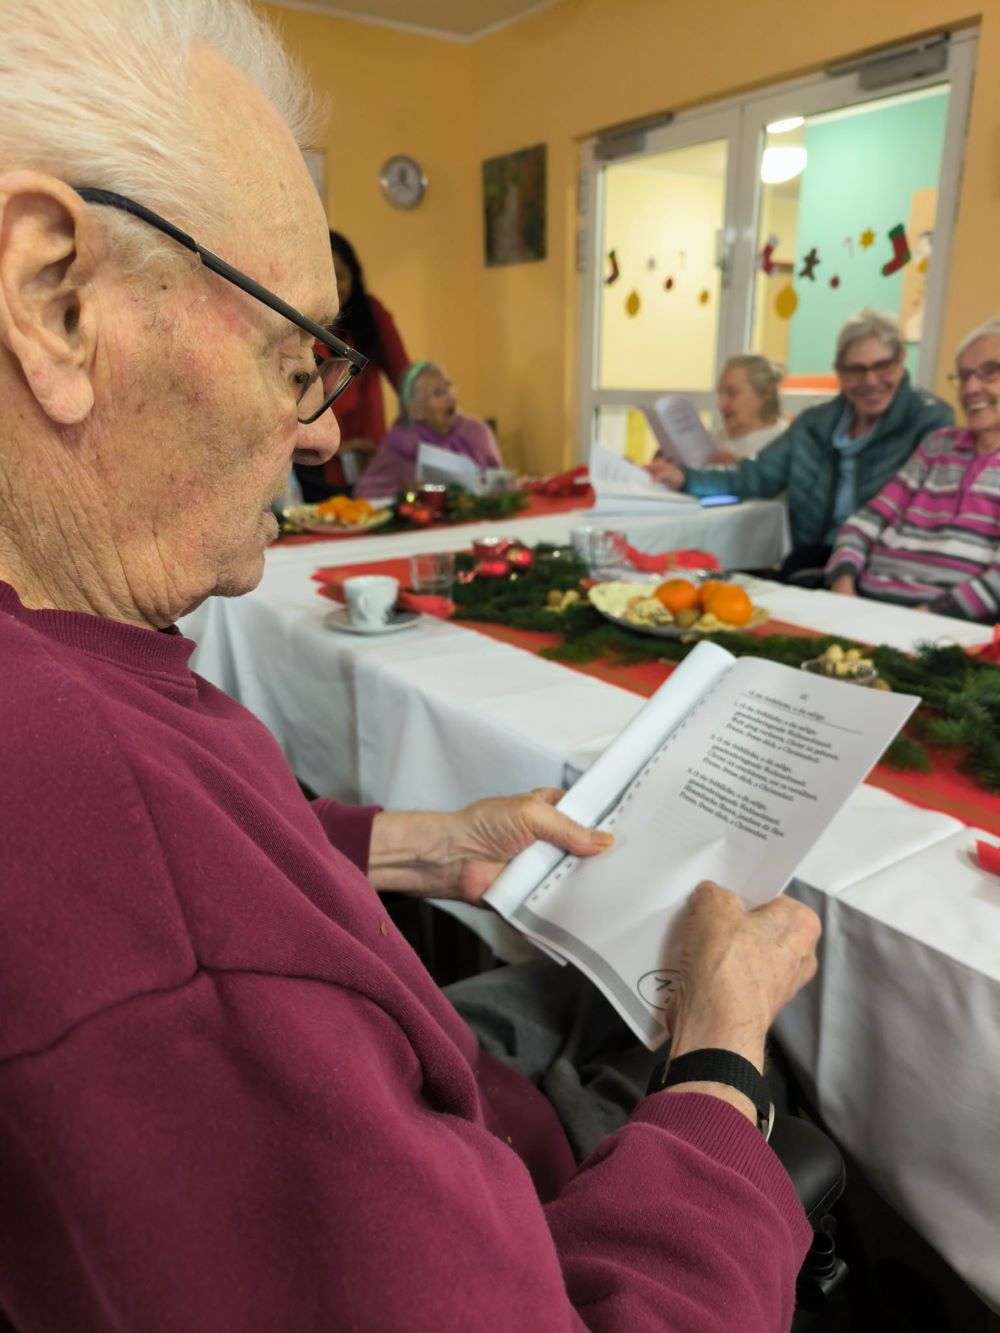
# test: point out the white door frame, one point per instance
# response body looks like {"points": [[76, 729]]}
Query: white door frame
{"points": [[742, 121]]}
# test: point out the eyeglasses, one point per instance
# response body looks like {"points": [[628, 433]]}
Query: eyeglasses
{"points": [[985, 374], [316, 388], [856, 371]]}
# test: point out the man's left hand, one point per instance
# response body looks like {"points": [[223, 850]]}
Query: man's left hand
{"points": [[460, 855]]}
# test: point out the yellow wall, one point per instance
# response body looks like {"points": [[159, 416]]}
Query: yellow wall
{"points": [[656, 211], [510, 335], [394, 92]]}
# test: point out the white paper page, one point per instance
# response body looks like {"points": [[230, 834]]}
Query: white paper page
{"points": [[679, 431], [597, 790], [445, 468], [619, 484], [738, 794]]}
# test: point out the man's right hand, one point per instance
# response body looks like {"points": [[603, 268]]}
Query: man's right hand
{"points": [[738, 969], [665, 473]]}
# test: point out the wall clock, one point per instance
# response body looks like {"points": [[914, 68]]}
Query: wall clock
{"points": [[402, 181]]}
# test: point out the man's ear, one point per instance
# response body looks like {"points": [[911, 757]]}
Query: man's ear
{"points": [[48, 313]]}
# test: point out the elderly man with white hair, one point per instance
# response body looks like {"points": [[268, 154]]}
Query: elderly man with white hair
{"points": [[231, 1098], [837, 456]]}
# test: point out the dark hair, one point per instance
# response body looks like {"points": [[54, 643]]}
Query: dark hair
{"points": [[356, 316]]}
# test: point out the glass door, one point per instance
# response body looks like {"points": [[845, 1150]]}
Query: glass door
{"points": [[763, 225], [659, 278]]}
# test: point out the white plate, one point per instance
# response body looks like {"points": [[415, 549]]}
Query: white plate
{"points": [[342, 620]]}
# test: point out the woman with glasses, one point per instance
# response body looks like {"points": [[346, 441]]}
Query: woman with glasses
{"points": [[931, 538], [837, 456], [428, 414], [364, 323]]}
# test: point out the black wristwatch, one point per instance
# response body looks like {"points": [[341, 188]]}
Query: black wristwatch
{"points": [[717, 1066]]}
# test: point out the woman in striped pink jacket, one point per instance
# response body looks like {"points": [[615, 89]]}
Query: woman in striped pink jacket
{"points": [[931, 538]]}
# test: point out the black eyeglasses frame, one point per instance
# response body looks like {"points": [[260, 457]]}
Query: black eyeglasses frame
{"points": [[357, 362]]}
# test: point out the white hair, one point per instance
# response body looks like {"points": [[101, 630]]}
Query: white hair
{"points": [[868, 323], [98, 92], [991, 329], [764, 376]]}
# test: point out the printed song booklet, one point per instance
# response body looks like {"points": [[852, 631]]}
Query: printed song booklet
{"points": [[730, 772]]}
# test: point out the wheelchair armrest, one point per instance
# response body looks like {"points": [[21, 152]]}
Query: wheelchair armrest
{"points": [[813, 1162]]}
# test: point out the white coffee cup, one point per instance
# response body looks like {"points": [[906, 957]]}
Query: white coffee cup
{"points": [[370, 598]]}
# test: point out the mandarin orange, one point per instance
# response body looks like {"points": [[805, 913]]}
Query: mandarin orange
{"points": [[677, 595], [731, 604]]}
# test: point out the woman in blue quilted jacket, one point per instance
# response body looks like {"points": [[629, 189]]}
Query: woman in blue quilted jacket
{"points": [[836, 457]]}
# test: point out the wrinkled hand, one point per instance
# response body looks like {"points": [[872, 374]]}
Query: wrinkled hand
{"points": [[460, 855], [665, 473], [488, 834], [738, 969], [844, 585]]}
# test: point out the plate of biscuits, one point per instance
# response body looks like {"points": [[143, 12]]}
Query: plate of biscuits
{"points": [[678, 607]]}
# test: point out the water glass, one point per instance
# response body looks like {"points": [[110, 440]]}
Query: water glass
{"points": [[600, 550], [433, 574]]}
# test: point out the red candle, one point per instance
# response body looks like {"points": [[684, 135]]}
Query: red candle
{"points": [[495, 567], [489, 548], [434, 497]]}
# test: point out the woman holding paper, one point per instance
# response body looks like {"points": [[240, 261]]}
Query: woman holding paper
{"points": [[428, 415], [749, 406], [837, 456]]}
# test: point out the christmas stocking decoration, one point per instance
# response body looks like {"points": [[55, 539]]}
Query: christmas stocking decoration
{"points": [[900, 251]]}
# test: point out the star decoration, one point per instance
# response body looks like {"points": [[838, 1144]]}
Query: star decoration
{"points": [[809, 263], [866, 239]]}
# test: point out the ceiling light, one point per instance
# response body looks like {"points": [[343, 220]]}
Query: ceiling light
{"points": [[783, 126], [782, 164]]}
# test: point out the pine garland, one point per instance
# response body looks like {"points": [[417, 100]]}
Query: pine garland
{"points": [[960, 694]]}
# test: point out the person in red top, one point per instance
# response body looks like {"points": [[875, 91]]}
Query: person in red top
{"points": [[365, 324]]}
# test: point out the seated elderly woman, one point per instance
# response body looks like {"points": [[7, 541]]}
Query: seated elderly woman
{"points": [[837, 456], [749, 406], [931, 538], [428, 415]]}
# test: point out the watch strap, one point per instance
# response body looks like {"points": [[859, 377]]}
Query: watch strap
{"points": [[713, 1065]]}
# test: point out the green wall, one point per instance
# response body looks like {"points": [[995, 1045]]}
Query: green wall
{"points": [[861, 173]]}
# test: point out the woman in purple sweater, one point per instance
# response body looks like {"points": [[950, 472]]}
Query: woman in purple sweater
{"points": [[931, 538], [428, 415]]}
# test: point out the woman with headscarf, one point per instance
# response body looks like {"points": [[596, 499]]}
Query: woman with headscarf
{"points": [[428, 415]]}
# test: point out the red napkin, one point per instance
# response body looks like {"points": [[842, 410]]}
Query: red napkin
{"points": [[989, 856], [666, 560], [562, 484], [989, 652], [332, 586]]}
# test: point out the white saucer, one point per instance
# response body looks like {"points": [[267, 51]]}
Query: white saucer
{"points": [[342, 620]]}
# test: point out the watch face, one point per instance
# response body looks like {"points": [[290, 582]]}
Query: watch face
{"points": [[403, 181]]}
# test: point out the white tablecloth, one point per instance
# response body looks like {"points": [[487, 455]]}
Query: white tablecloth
{"points": [[898, 1037]]}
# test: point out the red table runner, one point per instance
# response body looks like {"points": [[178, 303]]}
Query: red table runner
{"points": [[944, 789]]}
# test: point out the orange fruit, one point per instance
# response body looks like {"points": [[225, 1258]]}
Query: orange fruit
{"points": [[730, 604], [677, 595], [708, 590]]}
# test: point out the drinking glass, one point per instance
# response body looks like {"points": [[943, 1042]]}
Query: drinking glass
{"points": [[433, 573]]}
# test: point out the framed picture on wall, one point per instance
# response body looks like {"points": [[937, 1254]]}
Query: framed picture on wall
{"points": [[514, 207]]}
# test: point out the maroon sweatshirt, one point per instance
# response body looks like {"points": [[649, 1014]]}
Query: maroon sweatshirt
{"points": [[231, 1098]]}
